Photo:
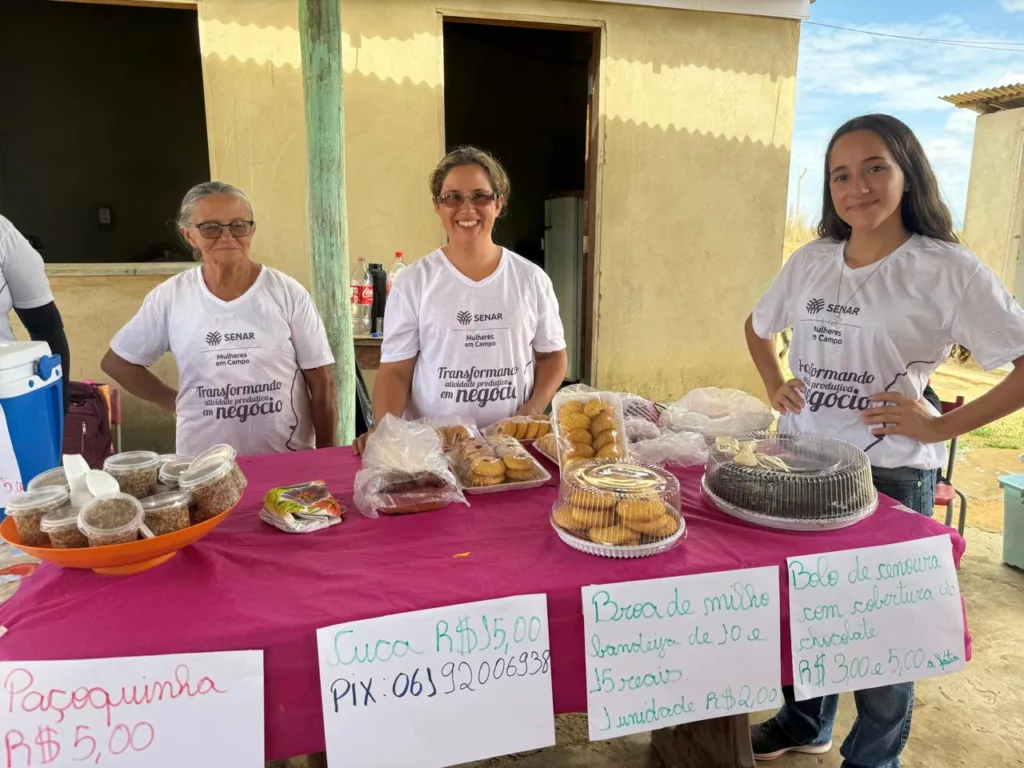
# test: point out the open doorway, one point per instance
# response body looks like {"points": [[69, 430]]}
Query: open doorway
{"points": [[103, 127], [524, 94]]}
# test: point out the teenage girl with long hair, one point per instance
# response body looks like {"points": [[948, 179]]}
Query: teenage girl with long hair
{"points": [[876, 304]]}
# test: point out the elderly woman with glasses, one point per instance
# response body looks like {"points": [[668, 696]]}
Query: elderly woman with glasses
{"points": [[254, 365], [472, 330]]}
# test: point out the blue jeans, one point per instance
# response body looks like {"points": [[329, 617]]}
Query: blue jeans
{"points": [[883, 714]]}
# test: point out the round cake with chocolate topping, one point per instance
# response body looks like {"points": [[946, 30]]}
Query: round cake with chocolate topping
{"points": [[790, 481]]}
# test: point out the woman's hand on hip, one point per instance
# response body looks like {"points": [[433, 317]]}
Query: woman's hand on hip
{"points": [[899, 415], [789, 398]]}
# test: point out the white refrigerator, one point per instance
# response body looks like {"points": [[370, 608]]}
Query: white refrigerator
{"points": [[563, 261]]}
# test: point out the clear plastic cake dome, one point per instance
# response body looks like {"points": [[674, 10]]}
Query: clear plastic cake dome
{"points": [[619, 509], [789, 481]]}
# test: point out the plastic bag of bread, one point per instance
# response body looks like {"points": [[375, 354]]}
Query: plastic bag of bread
{"points": [[452, 431], [404, 471], [521, 427], [588, 424]]}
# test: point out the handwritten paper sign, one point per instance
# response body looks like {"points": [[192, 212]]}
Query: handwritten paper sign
{"points": [[670, 651], [156, 711], [438, 687], [870, 617]]}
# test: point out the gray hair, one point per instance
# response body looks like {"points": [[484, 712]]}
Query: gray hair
{"points": [[206, 189]]}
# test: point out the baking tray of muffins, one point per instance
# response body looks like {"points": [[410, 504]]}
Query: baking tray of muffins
{"points": [[496, 464], [618, 509]]}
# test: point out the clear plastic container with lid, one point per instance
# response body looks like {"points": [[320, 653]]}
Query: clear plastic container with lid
{"points": [[28, 509], [51, 477], [171, 470], [790, 481], [223, 451], [62, 527], [618, 509], [215, 486], [112, 519], [588, 424], [167, 512], [137, 472]]}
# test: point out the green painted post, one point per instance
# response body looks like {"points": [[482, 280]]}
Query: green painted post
{"points": [[320, 41]]}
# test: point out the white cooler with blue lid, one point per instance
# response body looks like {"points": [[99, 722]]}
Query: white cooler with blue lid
{"points": [[31, 414]]}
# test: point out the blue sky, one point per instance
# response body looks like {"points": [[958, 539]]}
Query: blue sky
{"points": [[843, 74]]}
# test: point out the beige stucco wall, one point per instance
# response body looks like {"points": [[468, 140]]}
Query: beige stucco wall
{"points": [[696, 113], [695, 118], [995, 195]]}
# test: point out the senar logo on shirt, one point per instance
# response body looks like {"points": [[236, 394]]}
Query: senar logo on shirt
{"points": [[814, 306], [214, 338], [465, 318]]}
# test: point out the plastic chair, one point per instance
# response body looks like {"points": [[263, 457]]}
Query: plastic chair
{"points": [[946, 493]]}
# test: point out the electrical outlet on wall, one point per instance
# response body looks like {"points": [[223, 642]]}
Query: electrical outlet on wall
{"points": [[105, 216]]}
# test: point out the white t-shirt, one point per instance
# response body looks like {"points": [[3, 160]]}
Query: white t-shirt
{"points": [[23, 282], [475, 341], [240, 362], [885, 329]]}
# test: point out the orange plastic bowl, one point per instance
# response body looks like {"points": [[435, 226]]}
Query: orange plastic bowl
{"points": [[117, 559]]}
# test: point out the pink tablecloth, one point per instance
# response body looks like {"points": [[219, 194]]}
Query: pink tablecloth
{"points": [[249, 586]]}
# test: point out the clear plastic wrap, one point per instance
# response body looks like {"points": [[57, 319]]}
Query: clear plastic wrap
{"points": [[618, 508], [789, 481], [452, 431], [547, 447], [404, 471], [496, 463], [523, 428], [682, 449], [715, 413], [588, 424], [636, 407], [641, 429]]}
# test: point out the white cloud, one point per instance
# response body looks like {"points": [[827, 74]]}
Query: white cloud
{"points": [[844, 73], [1012, 6], [961, 121]]}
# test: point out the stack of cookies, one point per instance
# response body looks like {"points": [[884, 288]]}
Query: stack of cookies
{"points": [[589, 427], [618, 504], [495, 460], [523, 427]]}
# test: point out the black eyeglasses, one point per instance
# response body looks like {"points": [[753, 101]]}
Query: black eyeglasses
{"points": [[457, 199], [212, 230]]}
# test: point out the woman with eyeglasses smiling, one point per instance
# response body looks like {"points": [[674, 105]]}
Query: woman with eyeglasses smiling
{"points": [[254, 365], [472, 329]]}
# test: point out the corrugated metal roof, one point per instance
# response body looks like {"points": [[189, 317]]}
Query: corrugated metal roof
{"points": [[989, 99]]}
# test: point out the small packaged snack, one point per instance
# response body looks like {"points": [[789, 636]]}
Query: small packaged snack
{"points": [[137, 472], [167, 512], [589, 424], [113, 519], [452, 431], [216, 485], [522, 428], [496, 463], [55, 476], [547, 447], [226, 452], [404, 471], [171, 470], [61, 526], [28, 509], [301, 508]]}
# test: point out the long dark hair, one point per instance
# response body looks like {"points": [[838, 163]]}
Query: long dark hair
{"points": [[922, 208]]}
